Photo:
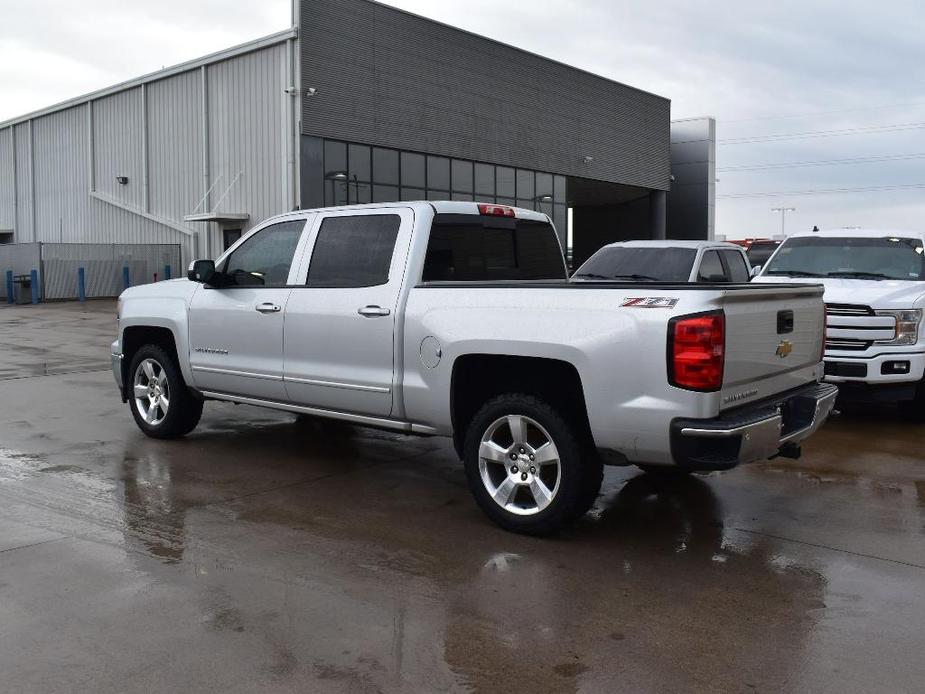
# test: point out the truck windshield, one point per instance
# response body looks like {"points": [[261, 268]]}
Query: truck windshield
{"points": [[759, 252], [887, 258], [472, 248], [639, 264]]}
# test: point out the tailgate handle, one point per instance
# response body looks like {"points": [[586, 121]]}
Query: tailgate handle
{"points": [[784, 322]]}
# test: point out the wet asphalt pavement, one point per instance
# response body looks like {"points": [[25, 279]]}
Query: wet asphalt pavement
{"points": [[265, 554]]}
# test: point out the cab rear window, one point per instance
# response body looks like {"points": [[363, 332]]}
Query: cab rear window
{"points": [[470, 248]]}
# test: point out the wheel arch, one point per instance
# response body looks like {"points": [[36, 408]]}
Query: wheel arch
{"points": [[134, 337], [478, 377]]}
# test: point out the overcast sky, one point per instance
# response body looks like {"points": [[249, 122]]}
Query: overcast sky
{"points": [[761, 69]]}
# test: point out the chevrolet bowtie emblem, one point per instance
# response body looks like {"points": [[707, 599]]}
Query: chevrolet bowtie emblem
{"points": [[784, 348]]}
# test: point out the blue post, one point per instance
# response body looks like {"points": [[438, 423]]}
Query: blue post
{"points": [[166, 272], [81, 285], [34, 280], [125, 280], [9, 287]]}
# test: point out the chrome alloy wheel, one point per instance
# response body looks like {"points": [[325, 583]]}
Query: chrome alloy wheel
{"points": [[519, 465], [151, 392]]}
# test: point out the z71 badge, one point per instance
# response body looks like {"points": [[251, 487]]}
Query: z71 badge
{"points": [[650, 301]]}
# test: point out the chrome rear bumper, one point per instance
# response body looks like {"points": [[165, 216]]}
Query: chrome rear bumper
{"points": [[755, 432]]}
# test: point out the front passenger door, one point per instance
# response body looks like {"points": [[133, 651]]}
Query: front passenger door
{"points": [[236, 328]]}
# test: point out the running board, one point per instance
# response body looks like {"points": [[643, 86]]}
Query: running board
{"points": [[377, 422]]}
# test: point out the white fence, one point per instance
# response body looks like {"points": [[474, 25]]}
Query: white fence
{"points": [[107, 268]]}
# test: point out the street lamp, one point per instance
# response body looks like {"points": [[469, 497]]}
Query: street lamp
{"points": [[783, 216]]}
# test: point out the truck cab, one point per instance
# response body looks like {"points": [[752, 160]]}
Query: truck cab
{"points": [[875, 296]]}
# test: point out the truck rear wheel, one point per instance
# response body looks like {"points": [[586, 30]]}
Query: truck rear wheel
{"points": [[161, 404], [525, 465]]}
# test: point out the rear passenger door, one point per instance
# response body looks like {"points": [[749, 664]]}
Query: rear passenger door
{"points": [[341, 322]]}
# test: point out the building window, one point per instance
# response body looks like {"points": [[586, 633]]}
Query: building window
{"points": [[438, 173], [505, 182], [385, 193], [358, 163], [558, 193], [413, 194], [525, 188], [544, 187], [413, 171], [485, 182], [356, 173], [385, 167], [462, 176]]}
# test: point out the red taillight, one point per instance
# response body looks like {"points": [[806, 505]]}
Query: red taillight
{"points": [[496, 210], [696, 352]]}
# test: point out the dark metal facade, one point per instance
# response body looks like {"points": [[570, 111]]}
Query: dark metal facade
{"points": [[389, 78]]}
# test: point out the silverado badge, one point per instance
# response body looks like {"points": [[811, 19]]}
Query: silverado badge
{"points": [[784, 348]]}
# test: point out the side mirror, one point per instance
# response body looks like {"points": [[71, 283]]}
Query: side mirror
{"points": [[755, 271], [201, 271]]}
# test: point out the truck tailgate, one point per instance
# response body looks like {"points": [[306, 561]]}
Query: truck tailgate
{"points": [[774, 341]]}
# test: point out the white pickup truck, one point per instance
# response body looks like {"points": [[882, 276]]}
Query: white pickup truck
{"points": [[875, 295], [666, 261], [457, 319]]}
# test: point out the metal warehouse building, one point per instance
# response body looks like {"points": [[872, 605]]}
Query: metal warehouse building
{"points": [[358, 102]]}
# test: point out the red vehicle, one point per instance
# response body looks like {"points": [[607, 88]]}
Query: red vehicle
{"points": [[758, 250]]}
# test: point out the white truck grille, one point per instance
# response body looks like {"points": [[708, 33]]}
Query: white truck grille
{"points": [[854, 328]]}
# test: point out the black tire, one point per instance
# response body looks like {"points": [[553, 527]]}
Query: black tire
{"points": [[579, 473], [183, 410]]}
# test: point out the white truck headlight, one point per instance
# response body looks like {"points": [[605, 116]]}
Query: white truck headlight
{"points": [[907, 326]]}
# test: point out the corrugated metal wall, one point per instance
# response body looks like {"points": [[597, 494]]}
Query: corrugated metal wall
{"points": [[386, 77], [246, 132], [6, 179], [118, 138], [24, 224], [242, 92], [57, 266], [175, 144], [104, 267], [61, 174]]}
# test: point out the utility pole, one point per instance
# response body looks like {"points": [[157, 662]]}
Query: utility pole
{"points": [[783, 216]]}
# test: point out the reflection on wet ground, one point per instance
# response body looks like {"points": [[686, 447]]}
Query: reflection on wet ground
{"points": [[265, 553]]}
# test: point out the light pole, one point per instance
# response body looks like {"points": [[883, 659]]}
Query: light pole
{"points": [[783, 216]]}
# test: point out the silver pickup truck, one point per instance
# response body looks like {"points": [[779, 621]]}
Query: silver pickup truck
{"points": [[457, 319]]}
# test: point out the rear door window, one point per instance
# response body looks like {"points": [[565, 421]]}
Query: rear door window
{"points": [[711, 269], [354, 251], [472, 248]]}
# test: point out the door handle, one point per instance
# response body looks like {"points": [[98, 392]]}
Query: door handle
{"points": [[373, 311], [267, 307]]}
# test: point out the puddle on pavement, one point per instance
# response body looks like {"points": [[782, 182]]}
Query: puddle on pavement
{"points": [[16, 465]]}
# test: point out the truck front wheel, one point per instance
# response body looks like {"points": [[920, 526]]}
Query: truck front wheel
{"points": [[161, 404], [526, 466]]}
